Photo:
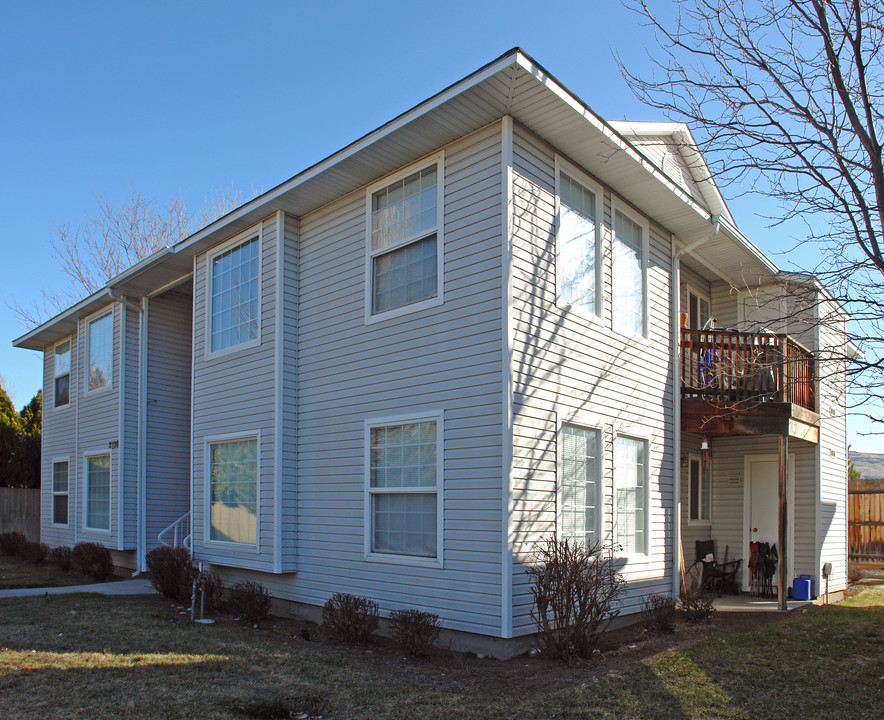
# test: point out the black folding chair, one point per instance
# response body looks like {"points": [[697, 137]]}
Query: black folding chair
{"points": [[718, 578]]}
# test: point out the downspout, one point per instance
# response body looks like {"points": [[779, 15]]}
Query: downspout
{"points": [[139, 547], [675, 301]]}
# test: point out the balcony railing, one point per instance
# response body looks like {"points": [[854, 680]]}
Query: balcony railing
{"points": [[721, 366]]}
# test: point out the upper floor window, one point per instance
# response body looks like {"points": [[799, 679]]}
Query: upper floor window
{"points": [[579, 481], [630, 494], [577, 245], [698, 311], [63, 373], [100, 339], [235, 287], [404, 231], [629, 289]]}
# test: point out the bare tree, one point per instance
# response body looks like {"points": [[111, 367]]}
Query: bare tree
{"points": [[119, 235], [785, 97]]}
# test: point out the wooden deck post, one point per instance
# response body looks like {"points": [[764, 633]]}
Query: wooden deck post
{"points": [[781, 523]]}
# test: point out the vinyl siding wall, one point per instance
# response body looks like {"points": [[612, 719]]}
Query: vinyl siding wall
{"points": [[99, 424], [167, 412], [234, 392], [445, 358], [568, 368], [59, 443]]}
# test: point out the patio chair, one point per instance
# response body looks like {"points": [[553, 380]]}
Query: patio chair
{"points": [[718, 578]]}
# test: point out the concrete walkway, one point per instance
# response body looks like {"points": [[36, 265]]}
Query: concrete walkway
{"points": [[133, 586]]}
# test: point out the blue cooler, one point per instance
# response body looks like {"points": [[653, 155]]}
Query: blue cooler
{"points": [[801, 588]]}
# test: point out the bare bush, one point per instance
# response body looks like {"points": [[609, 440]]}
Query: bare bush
{"points": [[415, 631], [171, 572], [350, 618], [575, 588], [250, 601], [93, 560], [696, 604], [659, 613]]}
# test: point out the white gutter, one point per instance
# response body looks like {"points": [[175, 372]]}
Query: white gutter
{"points": [[675, 301]]}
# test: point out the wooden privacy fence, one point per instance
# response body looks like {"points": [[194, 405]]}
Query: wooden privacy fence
{"points": [[865, 521], [733, 367], [20, 511]]}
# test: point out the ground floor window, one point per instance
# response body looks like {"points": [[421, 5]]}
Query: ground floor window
{"points": [[699, 491], [579, 473], [403, 487], [98, 492], [233, 492], [630, 495], [60, 493]]}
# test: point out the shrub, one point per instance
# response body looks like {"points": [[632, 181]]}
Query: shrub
{"points": [[696, 605], [171, 572], [34, 552], [250, 600], [93, 560], [659, 613], [350, 618], [212, 590], [62, 556], [415, 631], [854, 573], [575, 587], [11, 543]]}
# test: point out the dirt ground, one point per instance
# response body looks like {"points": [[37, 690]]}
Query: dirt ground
{"points": [[621, 651]]}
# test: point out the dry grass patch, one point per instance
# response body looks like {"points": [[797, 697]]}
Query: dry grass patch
{"points": [[18, 573], [85, 656]]}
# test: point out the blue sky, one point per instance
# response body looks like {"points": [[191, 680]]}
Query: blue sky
{"points": [[175, 97]]}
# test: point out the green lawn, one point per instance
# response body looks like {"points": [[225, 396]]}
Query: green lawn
{"points": [[17, 573], [85, 656]]}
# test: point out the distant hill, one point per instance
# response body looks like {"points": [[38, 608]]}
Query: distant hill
{"points": [[870, 465]]}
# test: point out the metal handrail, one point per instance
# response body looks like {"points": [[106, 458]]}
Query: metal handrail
{"points": [[180, 532]]}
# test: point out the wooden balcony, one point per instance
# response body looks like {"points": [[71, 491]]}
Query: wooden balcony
{"points": [[735, 383]]}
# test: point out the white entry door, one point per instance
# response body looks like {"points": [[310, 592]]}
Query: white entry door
{"points": [[761, 507]]}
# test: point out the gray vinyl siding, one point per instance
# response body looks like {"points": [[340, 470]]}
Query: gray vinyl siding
{"points": [[832, 453], [694, 530], [444, 358], [568, 368], [129, 425], [234, 392], [59, 442], [98, 421], [289, 392], [724, 306], [167, 412]]}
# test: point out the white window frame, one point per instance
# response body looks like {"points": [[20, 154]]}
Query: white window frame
{"points": [[57, 461], [598, 428], [642, 222], [639, 556], [700, 296], [437, 416], [699, 521], [70, 341], [256, 231], [86, 489], [207, 500], [101, 314], [370, 316], [562, 165]]}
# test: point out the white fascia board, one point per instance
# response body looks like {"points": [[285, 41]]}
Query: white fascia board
{"points": [[362, 143], [618, 140], [30, 340], [748, 246]]}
